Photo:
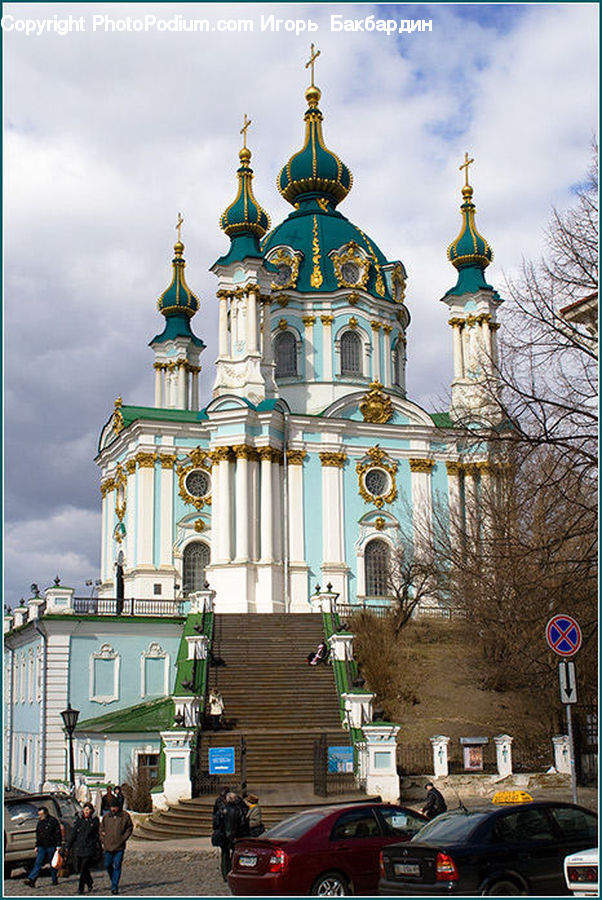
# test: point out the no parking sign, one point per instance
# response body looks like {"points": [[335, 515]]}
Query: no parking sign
{"points": [[563, 635]]}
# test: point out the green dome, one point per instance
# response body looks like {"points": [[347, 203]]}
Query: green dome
{"points": [[245, 215], [178, 299], [315, 171], [469, 248], [317, 234]]}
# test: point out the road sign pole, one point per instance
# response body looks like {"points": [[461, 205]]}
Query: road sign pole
{"points": [[569, 726]]}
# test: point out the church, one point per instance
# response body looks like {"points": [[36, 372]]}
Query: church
{"points": [[307, 467]]}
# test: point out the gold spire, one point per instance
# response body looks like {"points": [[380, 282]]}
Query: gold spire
{"points": [[465, 166], [245, 153], [243, 130], [179, 226], [313, 93], [311, 62]]}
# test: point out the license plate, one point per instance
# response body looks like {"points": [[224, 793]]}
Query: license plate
{"points": [[247, 861], [406, 869]]}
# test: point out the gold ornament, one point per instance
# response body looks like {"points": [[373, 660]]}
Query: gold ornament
{"points": [[379, 523], [198, 460], [351, 254], [199, 525], [130, 466], [398, 280], [146, 460], [296, 457], [353, 322], [453, 467], [422, 465], [376, 406], [118, 423], [309, 321], [376, 458], [282, 324], [337, 460], [327, 320], [283, 257], [316, 276]]}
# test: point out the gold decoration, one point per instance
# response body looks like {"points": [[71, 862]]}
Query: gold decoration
{"points": [[455, 322], [282, 257], [453, 467], [219, 454], [107, 486], [244, 129], [323, 203], [327, 320], [422, 465], [351, 254], [311, 62], [484, 317], [146, 460], [387, 329], [376, 458], [379, 523], [353, 298], [267, 453], [282, 324], [296, 457], [130, 466], [308, 321], [353, 322], [281, 299], [485, 467], [380, 285], [244, 451], [465, 166], [199, 525], [337, 460], [376, 406], [471, 321], [118, 423], [375, 325], [168, 460], [398, 280], [316, 276], [470, 469], [120, 494]]}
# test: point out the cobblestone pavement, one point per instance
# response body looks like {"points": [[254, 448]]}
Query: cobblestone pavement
{"points": [[155, 871]]}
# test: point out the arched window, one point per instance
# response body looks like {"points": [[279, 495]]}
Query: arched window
{"points": [[351, 354], [285, 353], [376, 561], [196, 560]]}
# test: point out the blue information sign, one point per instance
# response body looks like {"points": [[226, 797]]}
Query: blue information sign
{"points": [[221, 761], [340, 759]]}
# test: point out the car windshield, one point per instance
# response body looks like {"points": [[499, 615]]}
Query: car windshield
{"points": [[454, 826], [294, 827]]}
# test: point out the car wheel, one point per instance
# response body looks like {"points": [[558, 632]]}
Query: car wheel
{"points": [[331, 884], [503, 888], [7, 869]]}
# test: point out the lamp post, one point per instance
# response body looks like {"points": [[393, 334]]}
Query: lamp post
{"points": [[70, 717]]}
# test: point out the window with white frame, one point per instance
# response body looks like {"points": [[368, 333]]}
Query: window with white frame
{"points": [[23, 679], [154, 672], [376, 562], [39, 674], [195, 560], [104, 675], [351, 353], [398, 365], [285, 354], [30, 676]]}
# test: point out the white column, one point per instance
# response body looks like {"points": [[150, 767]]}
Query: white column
{"points": [[166, 527], [440, 745], [422, 508], [145, 508], [222, 332], [266, 333], [457, 348], [376, 376], [252, 322], [358, 708], [387, 356], [471, 513], [130, 517], [266, 454], [254, 506], [562, 754], [177, 749], [503, 752], [381, 774], [332, 506], [241, 499], [194, 404], [310, 368], [486, 342], [295, 505], [453, 492], [104, 538], [158, 392], [327, 346], [222, 505], [278, 530], [181, 384]]}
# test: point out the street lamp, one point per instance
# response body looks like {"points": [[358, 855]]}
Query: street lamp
{"points": [[70, 717]]}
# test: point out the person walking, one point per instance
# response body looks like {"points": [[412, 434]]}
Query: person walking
{"points": [[254, 816], [119, 796], [105, 803], [48, 839], [435, 802], [85, 842], [232, 825], [115, 830], [216, 708]]}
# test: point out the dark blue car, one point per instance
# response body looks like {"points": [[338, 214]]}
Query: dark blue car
{"points": [[493, 851]]}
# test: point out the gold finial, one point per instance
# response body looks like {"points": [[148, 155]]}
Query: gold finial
{"points": [[179, 226], [465, 165], [243, 130], [118, 403], [311, 62]]}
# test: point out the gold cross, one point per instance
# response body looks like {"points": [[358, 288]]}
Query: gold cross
{"points": [[243, 130], [465, 165], [312, 59], [179, 226]]}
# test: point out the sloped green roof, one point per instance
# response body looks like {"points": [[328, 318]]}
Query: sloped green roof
{"points": [[156, 715], [442, 420]]}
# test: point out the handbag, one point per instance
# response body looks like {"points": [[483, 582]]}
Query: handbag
{"points": [[217, 838]]}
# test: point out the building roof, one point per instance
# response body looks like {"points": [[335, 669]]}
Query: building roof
{"points": [[155, 716]]}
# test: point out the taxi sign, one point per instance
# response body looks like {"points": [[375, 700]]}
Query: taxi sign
{"points": [[512, 797]]}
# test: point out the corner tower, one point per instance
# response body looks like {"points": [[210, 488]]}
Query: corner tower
{"points": [[473, 306], [177, 348], [244, 364]]}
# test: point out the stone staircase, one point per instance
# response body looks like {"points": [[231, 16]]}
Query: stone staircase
{"points": [[279, 705]]}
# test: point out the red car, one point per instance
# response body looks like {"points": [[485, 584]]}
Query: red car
{"points": [[328, 850]]}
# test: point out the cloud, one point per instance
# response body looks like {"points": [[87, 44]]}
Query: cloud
{"points": [[109, 135]]}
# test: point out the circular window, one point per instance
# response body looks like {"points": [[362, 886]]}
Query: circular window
{"points": [[283, 275], [350, 272], [377, 482], [197, 483]]}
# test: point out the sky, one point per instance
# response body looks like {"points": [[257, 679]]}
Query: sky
{"points": [[110, 132]]}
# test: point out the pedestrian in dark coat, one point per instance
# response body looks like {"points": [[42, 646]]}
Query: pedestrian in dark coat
{"points": [[105, 803], [435, 803], [48, 839], [115, 830], [85, 842], [232, 825], [218, 808], [254, 817], [119, 796]]}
